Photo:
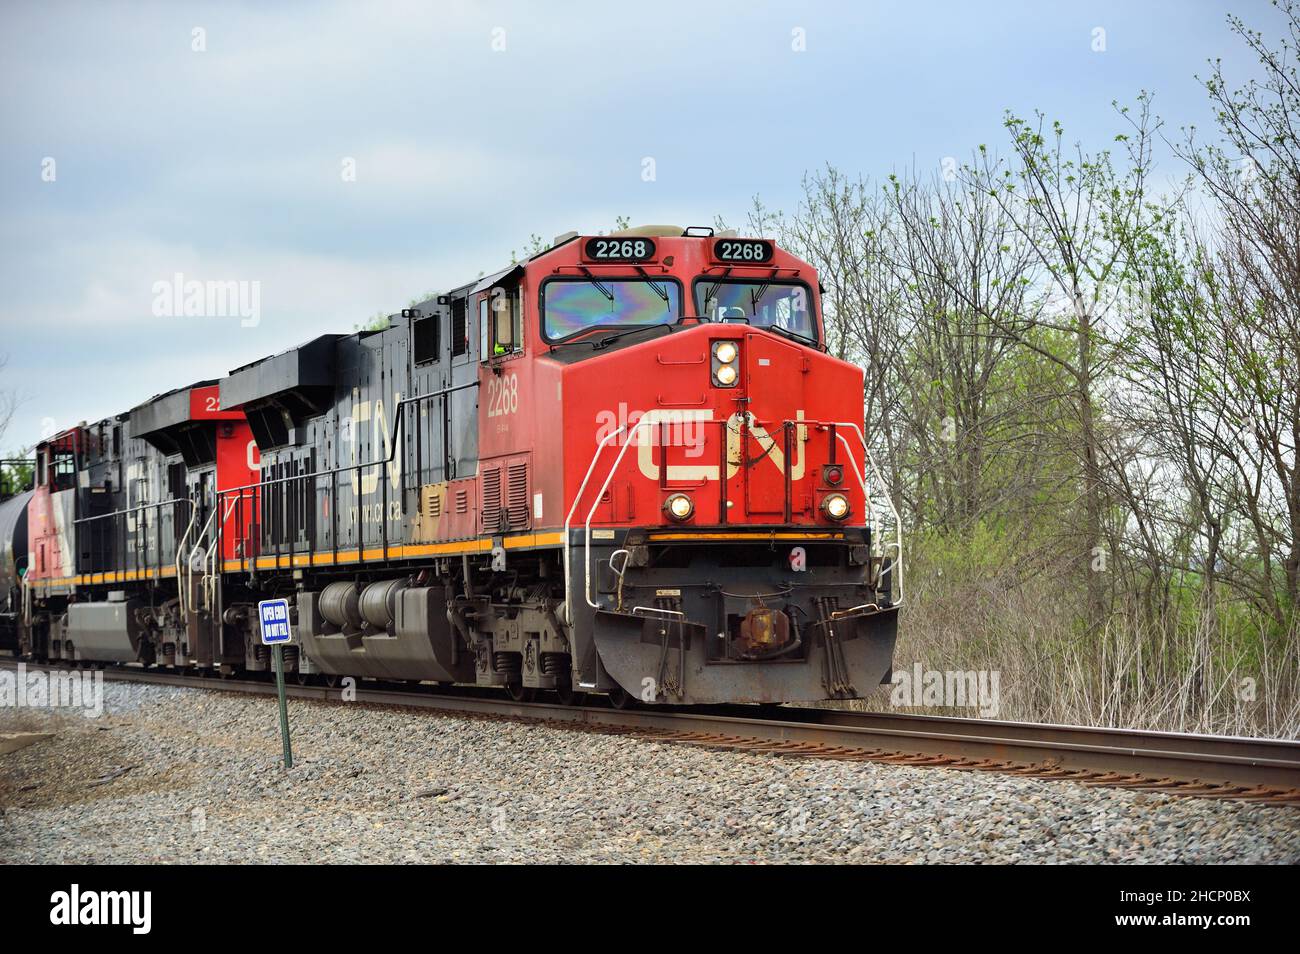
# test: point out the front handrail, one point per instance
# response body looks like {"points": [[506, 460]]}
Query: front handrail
{"points": [[895, 566], [586, 545], [568, 520]]}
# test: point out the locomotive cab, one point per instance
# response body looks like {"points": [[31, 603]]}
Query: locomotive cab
{"points": [[719, 537]]}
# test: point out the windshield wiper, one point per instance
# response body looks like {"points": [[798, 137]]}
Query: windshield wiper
{"points": [[599, 287], [610, 339], [580, 337], [792, 335], [659, 289]]}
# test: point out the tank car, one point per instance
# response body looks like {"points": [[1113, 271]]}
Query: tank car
{"points": [[13, 565]]}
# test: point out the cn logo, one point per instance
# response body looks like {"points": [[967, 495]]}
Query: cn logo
{"points": [[735, 442], [798, 559], [373, 412]]}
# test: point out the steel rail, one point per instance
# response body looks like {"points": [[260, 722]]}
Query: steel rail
{"points": [[1180, 763]]}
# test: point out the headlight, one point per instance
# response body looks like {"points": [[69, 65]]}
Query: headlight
{"points": [[835, 506], [679, 506], [725, 354]]}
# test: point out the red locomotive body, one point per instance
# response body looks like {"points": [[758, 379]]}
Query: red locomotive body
{"points": [[50, 513], [237, 463], [626, 466], [664, 389], [693, 495]]}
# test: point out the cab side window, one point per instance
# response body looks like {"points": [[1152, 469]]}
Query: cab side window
{"points": [[501, 322]]}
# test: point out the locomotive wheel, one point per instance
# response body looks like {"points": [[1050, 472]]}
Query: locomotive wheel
{"points": [[620, 698], [332, 682], [301, 678], [519, 693], [568, 696]]}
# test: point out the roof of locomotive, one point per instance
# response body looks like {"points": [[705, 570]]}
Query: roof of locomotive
{"points": [[298, 347], [310, 365], [164, 410]]}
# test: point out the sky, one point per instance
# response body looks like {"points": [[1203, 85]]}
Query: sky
{"points": [[336, 160]]}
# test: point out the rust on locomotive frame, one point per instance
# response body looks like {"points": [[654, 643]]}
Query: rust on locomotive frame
{"points": [[627, 465]]}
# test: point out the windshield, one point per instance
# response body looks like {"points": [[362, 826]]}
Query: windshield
{"points": [[784, 306], [571, 306]]}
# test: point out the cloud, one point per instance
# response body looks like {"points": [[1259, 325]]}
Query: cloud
{"points": [[225, 164]]}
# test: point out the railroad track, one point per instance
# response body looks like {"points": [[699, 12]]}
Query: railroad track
{"points": [[1257, 770]]}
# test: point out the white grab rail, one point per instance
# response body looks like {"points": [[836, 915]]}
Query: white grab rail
{"points": [[180, 553], [209, 556], [577, 499], [896, 568], [586, 544]]}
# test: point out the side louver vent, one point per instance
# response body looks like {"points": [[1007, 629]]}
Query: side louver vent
{"points": [[432, 502], [491, 509], [517, 508]]}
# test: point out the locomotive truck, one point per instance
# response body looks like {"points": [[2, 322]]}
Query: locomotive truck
{"points": [[627, 466]]}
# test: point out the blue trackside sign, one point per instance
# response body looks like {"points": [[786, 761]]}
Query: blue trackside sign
{"points": [[274, 617]]}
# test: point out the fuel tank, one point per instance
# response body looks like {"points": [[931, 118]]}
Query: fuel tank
{"points": [[105, 632]]}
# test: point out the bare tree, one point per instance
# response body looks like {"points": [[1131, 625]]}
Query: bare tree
{"points": [[843, 227], [1224, 333], [968, 408], [1074, 211]]}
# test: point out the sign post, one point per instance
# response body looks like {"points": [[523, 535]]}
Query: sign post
{"points": [[274, 618]]}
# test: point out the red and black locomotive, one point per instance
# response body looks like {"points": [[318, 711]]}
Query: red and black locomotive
{"points": [[626, 466]]}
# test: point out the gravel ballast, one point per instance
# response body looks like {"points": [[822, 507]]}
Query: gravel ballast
{"points": [[183, 775]]}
